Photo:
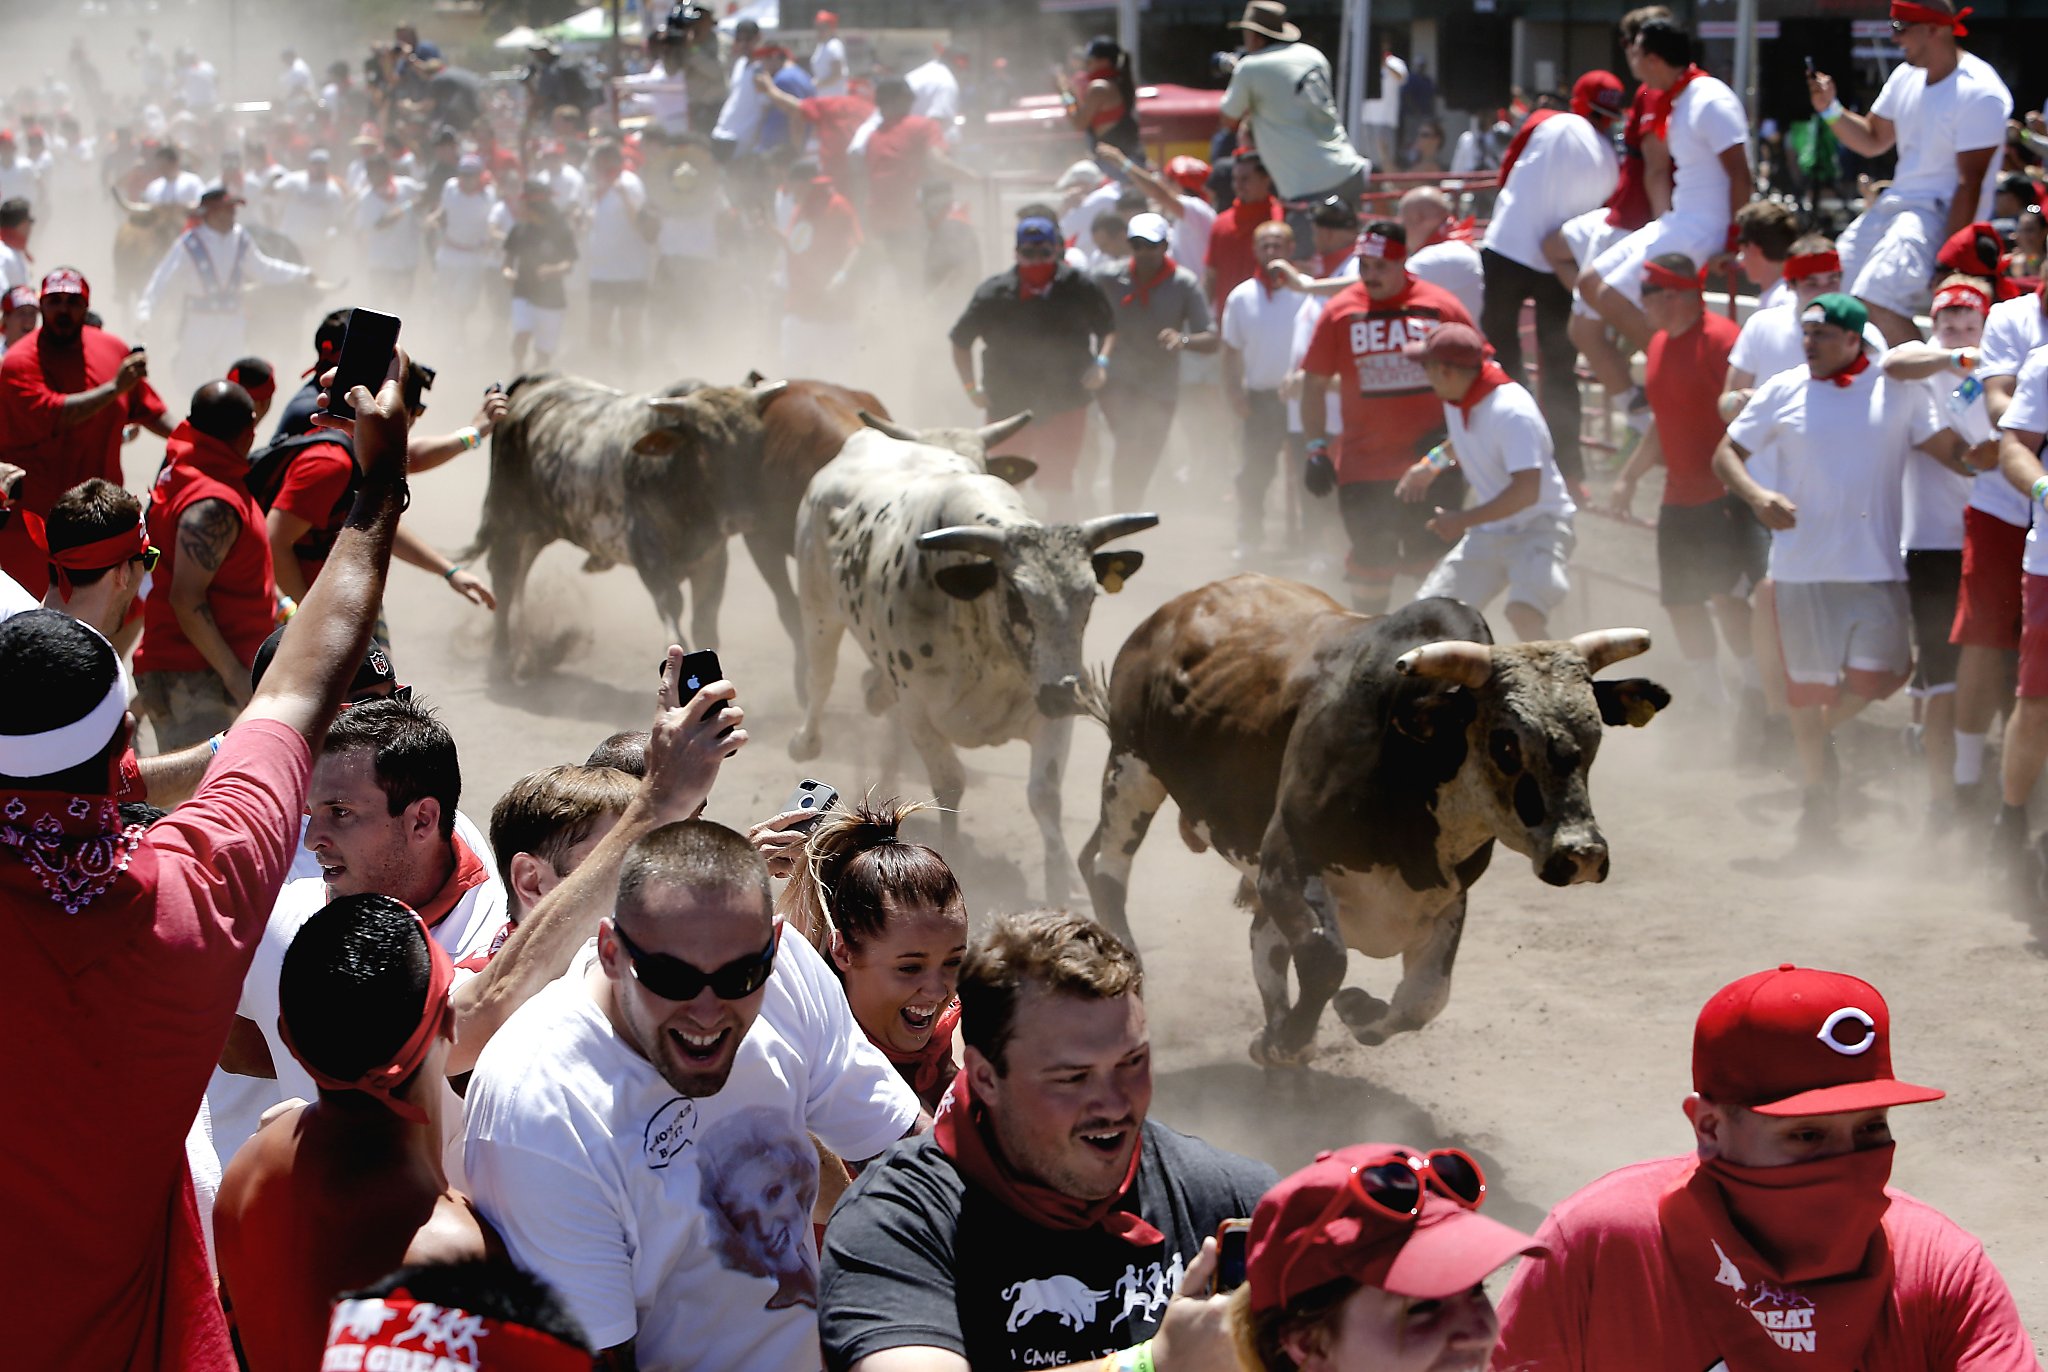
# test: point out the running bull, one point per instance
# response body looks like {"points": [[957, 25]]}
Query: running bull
{"points": [[1356, 771], [970, 612], [657, 481]]}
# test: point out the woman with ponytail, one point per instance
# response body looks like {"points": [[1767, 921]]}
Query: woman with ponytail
{"points": [[1106, 107], [889, 917]]}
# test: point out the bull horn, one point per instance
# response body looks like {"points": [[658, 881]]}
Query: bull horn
{"points": [[1467, 664], [766, 392], [965, 538], [889, 427], [1605, 647], [1103, 528], [671, 404], [1002, 429]]}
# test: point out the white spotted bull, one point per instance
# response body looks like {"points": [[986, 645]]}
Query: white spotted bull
{"points": [[970, 611], [658, 482], [1357, 772]]}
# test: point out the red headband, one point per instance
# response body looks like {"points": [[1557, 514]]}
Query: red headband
{"points": [[1908, 12], [438, 1336], [259, 394], [1380, 246], [111, 551], [1669, 280], [1961, 297], [1799, 266], [380, 1082]]}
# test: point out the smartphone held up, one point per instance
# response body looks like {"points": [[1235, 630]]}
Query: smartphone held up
{"points": [[367, 347]]}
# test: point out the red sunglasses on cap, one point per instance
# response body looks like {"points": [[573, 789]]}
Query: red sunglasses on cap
{"points": [[1391, 1187]]}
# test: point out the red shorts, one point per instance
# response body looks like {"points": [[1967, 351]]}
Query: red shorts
{"points": [[1053, 441], [1988, 610], [2033, 683]]}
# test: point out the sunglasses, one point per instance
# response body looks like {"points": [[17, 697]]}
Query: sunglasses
{"points": [[1036, 254], [673, 979], [1392, 1188], [148, 558]]}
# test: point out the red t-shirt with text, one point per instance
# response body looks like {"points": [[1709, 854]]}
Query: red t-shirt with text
{"points": [[1607, 1299], [1683, 380], [1388, 405], [897, 154]]}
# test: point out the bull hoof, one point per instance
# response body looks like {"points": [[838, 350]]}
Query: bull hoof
{"points": [[803, 745], [1370, 1019], [1266, 1054]]}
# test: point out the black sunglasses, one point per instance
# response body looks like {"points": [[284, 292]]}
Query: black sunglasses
{"points": [[673, 979]]}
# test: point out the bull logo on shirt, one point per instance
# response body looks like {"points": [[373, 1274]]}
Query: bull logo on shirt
{"points": [[1785, 1315], [759, 1183], [1068, 1299]]}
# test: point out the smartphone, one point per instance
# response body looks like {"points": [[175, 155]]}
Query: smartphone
{"points": [[1231, 1237], [814, 796], [1809, 66], [495, 388], [367, 347]]}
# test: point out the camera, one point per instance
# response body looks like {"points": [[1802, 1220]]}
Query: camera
{"points": [[1222, 64]]}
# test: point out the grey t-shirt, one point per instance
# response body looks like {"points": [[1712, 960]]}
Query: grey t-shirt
{"points": [[1286, 94], [1175, 303]]}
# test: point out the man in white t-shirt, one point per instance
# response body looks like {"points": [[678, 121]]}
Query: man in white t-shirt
{"points": [[1446, 256], [739, 119], [1945, 110], [1258, 341], [1843, 435], [465, 255], [388, 225], [1772, 339], [620, 253], [641, 1131], [935, 88], [2026, 731], [1707, 133], [309, 208], [173, 187], [1281, 90], [1517, 534], [828, 59], [1381, 114], [1563, 165]]}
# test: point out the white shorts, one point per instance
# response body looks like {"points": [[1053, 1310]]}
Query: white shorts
{"points": [[1588, 235], [1836, 634], [543, 323], [1528, 561], [1888, 254], [1621, 264]]}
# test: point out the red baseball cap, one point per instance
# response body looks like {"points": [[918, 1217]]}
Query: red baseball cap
{"points": [[18, 298], [1303, 1236], [66, 281], [1189, 173], [1798, 1041], [1454, 345], [1598, 92]]}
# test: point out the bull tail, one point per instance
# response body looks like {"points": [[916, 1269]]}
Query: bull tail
{"points": [[1093, 694]]}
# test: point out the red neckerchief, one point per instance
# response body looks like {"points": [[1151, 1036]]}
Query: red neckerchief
{"points": [[1492, 376], [469, 874], [1746, 1305], [380, 1081], [1847, 376], [1664, 102], [963, 1136], [1141, 292], [931, 1064], [1247, 215], [1519, 142], [1454, 230]]}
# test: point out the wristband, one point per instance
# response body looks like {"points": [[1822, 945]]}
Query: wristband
{"points": [[1437, 459], [1318, 445], [2041, 490], [468, 436], [1961, 360], [1102, 361], [449, 575], [1834, 110], [216, 741], [1138, 1359]]}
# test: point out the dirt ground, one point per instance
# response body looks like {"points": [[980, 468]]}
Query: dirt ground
{"points": [[1565, 1048]]}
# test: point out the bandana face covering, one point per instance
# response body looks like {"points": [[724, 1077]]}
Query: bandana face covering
{"points": [[962, 1130], [1036, 277], [1785, 1267]]}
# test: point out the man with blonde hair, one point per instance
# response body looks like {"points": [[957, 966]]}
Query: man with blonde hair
{"points": [[548, 823]]}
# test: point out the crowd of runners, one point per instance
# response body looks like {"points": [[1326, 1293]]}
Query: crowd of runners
{"points": [[314, 1070]]}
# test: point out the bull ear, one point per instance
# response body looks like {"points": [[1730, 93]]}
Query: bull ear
{"points": [[966, 580], [754, 378], [1633, 701], [1015, 470], [658, 443], [1113, 569], [1431, 712]]}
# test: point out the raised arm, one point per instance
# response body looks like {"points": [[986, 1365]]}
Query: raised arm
{"points": [[1866, 135]]}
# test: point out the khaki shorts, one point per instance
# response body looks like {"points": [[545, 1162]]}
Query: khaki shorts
{"points": [[1528, 562], [185, 707]]}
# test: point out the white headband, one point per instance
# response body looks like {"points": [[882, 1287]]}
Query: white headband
{"points": [[67, 746]]}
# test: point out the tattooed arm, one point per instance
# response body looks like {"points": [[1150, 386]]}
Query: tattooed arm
{"points": [[206, 531]]}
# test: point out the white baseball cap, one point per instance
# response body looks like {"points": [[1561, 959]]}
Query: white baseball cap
{"points": [[1149, 228]]}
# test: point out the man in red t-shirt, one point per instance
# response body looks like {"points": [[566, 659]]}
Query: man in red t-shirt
{"points": [[1230, 260], [1711, 552], [1776, 1244], [66, 392], [128, 946], [834, 118], [1391, 416], [213, 599], [902, 153]]}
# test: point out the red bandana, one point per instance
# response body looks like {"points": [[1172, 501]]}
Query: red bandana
{"points": [[1034, 279], [1492, 376], [1799, 266], [469, 873], [963, 1136], [381, 1081], [1382, 247], [933, 1063], [1663, 102], [101, 553], [1908, 12], [1960, 296], [75, 847], [1845, 377], [416, 1334], [1815, 1304], [1666, 279], [1141, 294]]}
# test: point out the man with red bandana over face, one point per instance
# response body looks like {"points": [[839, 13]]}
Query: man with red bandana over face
{"points": [[1045, 1221], [1776, 1246], [1945, 111], [129, 944], [66, 392], [1391, 416]]}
